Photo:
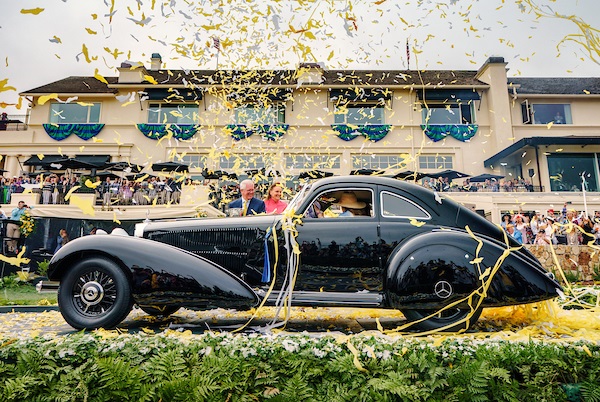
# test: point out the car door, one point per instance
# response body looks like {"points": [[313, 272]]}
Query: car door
{"points": [[338, 253]]}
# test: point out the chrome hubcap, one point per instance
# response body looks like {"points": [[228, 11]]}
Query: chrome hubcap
{"points": [[94, 293]]}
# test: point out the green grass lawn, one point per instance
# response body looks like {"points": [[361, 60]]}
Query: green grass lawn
{"points": [[25, 295]]}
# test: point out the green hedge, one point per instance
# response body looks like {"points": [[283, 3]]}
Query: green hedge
{"points": [[226, 367]]}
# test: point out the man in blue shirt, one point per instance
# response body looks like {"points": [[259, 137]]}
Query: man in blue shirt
{"points": [[516, 234]]}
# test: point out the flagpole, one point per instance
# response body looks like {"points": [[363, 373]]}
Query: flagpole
{"points": [[407, 55]]}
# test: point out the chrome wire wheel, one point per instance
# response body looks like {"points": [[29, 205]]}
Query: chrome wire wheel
{"points": [[94, 293]]}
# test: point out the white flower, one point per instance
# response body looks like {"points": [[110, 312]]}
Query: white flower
{"points": [[319, 353]]}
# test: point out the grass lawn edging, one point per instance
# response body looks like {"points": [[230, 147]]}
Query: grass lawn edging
{"points": [[176, 366]]}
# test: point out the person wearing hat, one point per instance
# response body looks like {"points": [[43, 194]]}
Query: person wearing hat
{"points": [[350, 205], [516, 234], [550, 232]]}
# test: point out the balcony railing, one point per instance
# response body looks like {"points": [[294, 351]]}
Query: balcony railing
{"points": [[16, 122]]}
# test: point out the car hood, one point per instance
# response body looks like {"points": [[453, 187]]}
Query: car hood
{"points": [[261, 222]]}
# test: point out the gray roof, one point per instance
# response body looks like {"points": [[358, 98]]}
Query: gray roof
{"points": [[78, 85], [556, 86], [181, 78]]}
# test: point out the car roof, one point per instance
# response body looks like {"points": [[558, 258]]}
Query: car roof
{"points": [[410, 187]]}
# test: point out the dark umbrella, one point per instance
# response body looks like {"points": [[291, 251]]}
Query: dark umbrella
{"points": [[314, 174], [217, 174], [123, 167], [450, 174], [104, 175], [170, 167], [40, 172], [70, 163], [139, 176], [485, 176], [367, 172], [409, 175]]}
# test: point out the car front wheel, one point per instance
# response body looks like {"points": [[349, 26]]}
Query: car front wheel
{"points": [[454, 319], [94, 293]]}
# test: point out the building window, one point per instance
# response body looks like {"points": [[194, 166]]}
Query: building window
{"points": [[305, 161], [194, 161], [377, 162], [435, 162], [448, 113], [566, 171], [359, 113], [252, 114], [236, 162], [72, 113], [544, 113], [172, 113]]}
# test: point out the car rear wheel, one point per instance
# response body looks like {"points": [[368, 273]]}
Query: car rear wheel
{"points": [[160, 311], [459, 317], [94, 293]]}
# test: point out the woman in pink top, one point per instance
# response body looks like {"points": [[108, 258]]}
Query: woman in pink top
{"points": [[273, 203]]}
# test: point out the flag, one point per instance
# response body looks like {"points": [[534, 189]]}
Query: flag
{"points": [[216, 43], [407, 55]]}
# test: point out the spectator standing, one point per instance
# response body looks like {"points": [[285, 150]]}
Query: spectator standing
{"points": [[521, 226], [3, 121], [46, 190], [13, 230], [273, 202], [247, 203]]}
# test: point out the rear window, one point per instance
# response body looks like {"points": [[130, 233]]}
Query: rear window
{"points": [[394, 206]]}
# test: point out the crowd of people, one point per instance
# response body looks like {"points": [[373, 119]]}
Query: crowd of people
{"points": [[568, 227], [111, 191], [515, 185]]}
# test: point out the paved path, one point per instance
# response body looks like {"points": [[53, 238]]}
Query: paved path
{"points": [[29, 324]]}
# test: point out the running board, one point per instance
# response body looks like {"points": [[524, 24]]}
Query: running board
{"points": [[330, 299]]}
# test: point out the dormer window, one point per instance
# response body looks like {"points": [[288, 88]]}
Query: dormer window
{"points": [[74, 113], [545, 113], [359, 106], [448, 106], [173, 113], [264, 114]]}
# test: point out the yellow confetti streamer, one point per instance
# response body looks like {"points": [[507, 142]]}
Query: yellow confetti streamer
{"points": [[34, 11]]}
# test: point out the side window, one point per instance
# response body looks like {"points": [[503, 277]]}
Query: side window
{"points": [[342, 203], [394, 206]]}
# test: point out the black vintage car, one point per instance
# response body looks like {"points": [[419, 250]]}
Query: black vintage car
{"points": [[404, 248]]}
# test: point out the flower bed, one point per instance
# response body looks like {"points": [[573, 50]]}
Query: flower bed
{"points": [[176, 366]]}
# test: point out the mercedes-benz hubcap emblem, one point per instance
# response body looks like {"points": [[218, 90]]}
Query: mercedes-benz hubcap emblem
{"points": [[443, 289]]}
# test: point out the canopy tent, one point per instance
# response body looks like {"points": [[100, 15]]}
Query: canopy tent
{"points": [[138, 176], [218, 174], [35, 160], [367, 172], [71, 163], [314, 174], [409, 175], [170, 167], [104, 174], [485, 176], [123, 167], [449, 173]]}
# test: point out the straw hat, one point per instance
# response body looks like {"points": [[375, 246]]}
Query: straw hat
{"points": [[348, 200]]}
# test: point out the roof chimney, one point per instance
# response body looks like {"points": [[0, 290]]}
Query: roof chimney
{"points": [[155, 62], [310, 73]]}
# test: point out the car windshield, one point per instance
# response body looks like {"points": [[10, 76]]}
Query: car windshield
{"points": [[298, 198]]}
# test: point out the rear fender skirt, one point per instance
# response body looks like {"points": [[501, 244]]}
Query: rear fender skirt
{"points": [[435, 269], [160, 274]]}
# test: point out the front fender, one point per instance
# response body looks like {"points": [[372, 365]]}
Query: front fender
{"points": [[160, 274], [419, 269]]}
